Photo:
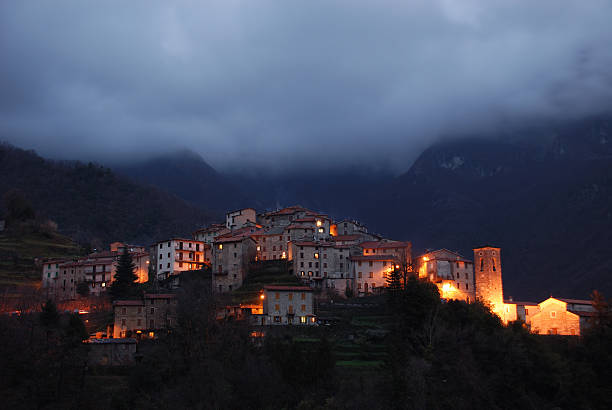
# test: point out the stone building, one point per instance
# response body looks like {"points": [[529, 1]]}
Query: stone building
{"points": [[286, 305], [452, 273], [61, 277], [111, 352], [240, 218], [554, 318], [144, 317], [231, 255], [350, 227], [370, 272], [488, 278], [272, 243], [208, 234]]}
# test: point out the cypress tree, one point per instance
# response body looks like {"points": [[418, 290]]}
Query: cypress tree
{"points": [[124, 285]]}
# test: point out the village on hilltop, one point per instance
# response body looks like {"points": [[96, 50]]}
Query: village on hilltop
{"points": [[327, 257]]}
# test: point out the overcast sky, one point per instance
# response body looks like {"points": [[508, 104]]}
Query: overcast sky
{"points": [[254, 82]]}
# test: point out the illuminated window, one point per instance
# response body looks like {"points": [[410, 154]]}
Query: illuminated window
{"points": [[302, 272], [553, 314], [258, 248], [316, 255], [303, 320], [220, 246], [319, 223], [321, 230]]}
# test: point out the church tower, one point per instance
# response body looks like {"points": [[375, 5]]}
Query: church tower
{"points": [[488, 278]]}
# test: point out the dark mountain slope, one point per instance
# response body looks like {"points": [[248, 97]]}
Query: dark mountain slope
{"points": [[92, 204], [549, 209], [186, 174]]}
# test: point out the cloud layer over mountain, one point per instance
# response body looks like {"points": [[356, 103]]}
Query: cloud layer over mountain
{"points": [[262, 83]]}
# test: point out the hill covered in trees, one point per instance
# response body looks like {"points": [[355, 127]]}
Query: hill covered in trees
{"points": [[93, 205]]}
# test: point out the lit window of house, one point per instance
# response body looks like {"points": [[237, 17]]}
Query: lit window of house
{"points": [[220, 246], [303, 320]]}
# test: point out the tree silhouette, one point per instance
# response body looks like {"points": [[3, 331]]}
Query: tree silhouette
{"points": [[124, 285]]}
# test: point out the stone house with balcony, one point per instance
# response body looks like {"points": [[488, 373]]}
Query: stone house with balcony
{"points": [[176, 255]]}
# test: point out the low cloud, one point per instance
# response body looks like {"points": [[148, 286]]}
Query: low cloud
{"points": [[269, 84]]}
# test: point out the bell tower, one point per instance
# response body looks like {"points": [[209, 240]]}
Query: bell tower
{"points": [[488, 278]]}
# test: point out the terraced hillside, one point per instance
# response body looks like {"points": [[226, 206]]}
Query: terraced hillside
{"points": [[19, 253]]}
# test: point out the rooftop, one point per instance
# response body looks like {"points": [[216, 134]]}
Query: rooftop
{"points": [[384, 244], [288, 288]]}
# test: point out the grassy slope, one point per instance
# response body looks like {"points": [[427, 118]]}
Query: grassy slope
{"points": [[260, 274], [19, 251]]}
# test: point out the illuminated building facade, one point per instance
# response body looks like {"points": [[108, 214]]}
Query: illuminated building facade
{"points": [[488, 278], [144, 317], [286, 305], [452, 273]]}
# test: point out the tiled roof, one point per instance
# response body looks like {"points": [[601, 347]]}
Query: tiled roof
{"points": [[372, 258], [576, 301], [307, 219], [159, 296], [125, 340], [128, 303], [300, 226], [275, 230], [340, 238], [288, 288], [520, 303], [384, 244]]}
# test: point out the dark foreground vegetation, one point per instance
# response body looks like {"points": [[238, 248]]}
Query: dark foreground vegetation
{"points": [[409, 352]]}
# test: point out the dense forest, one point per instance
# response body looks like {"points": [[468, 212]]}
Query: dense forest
{"points": [[91, 204], [435, 356]]}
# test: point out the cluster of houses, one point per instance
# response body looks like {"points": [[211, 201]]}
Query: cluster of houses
{"points": [[341, 257]]}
